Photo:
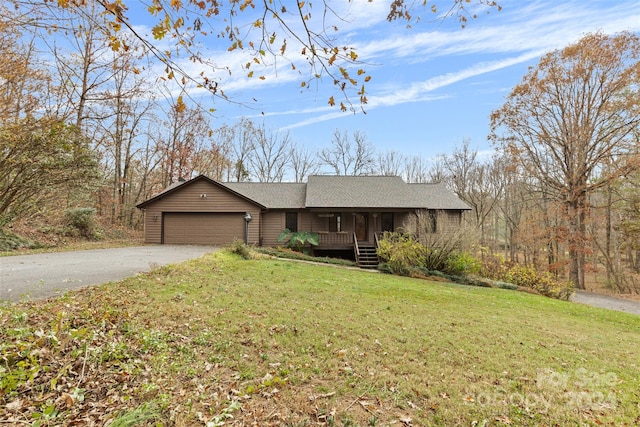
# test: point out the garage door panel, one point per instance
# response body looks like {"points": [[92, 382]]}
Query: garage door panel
{"points": [[203, 228]]}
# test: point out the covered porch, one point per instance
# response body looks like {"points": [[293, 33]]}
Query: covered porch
{"points": [[353, 231], [346, 228]]}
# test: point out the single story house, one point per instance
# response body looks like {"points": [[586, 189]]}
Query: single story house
{"points": [[348, 212]]}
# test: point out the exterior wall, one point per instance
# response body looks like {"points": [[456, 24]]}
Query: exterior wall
{"points": [[188, 199], [305, 221], [400, 220], [447, 222], [273, 222]]}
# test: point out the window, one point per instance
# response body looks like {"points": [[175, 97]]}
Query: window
{"points": [[335, 222], [291, 221], [386, 221], [432, 225]]}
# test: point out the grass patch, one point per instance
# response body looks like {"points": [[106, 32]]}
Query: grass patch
{"points": [[270, 342], [145, 413]]}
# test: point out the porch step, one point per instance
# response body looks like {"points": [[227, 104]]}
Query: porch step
{"points": [[368, 257]]}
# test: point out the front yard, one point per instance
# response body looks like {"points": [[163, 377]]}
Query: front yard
{"points": [[226, 341]]}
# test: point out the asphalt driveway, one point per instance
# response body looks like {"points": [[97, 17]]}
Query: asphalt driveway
{"points": [[605, 301], [50, 274]]}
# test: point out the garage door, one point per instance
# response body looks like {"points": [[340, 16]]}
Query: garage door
{"points": [[203, 228]]}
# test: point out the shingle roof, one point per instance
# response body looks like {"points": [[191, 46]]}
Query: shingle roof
{"points": [[377, 192], [437, 196], [325, 191], [284, 195], [356, 192]]}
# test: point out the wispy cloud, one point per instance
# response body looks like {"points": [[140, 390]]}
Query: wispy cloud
{"points": [[419, 91], [532, 27], [527, 31]]}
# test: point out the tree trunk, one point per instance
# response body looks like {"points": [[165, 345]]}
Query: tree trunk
{"points": [[607, 247], [576, 229]]}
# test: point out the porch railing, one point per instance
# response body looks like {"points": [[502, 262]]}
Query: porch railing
{"points": [[330, 238], [356, 248]]}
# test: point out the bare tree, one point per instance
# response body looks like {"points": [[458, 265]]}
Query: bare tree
{"points": [[185, 132], [390, 163], [123, 113], [84, 65], [214, 160], [303, 163], [347, 156], [416, 170], [474, 181], [270, 155], [241, 138]]}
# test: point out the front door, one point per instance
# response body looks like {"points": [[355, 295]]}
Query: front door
{"points": [[361, 228]]}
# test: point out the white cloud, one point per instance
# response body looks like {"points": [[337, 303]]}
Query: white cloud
{"points": [[535, 26], [419, 91]]}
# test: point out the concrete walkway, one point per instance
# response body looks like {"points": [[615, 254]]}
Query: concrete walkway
{"points": [[50, 274]]}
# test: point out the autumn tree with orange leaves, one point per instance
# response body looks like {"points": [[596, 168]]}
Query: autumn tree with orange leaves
{"points": [[573, 114]]}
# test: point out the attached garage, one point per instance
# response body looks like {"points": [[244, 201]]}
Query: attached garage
{"points": [[200, 212], [202, 228]]}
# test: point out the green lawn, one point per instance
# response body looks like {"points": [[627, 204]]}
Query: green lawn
{"points": [[226, 341]]}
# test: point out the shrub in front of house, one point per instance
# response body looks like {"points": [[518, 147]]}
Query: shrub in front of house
{"points": [[299, 241], [400, 252], [239, 247], [460, 262]]}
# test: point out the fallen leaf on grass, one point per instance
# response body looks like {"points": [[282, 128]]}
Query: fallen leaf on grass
{"points": [[504, 419], [321, 396], [66, 399], [14, 405]]}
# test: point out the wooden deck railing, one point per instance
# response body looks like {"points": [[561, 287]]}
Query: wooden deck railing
{"points": [[356, 248], [340, 238]]}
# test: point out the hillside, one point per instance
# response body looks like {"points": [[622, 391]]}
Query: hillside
{"points": [[226, 341]]}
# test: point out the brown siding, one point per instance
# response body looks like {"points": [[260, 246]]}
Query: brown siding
{"points": [[450, 221], [400, 221], [188, 199], [447, 223], [305, 221], [272, 225], [273, 222]]}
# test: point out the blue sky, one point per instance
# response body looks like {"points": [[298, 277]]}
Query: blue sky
{"points": [[433, 84]]}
